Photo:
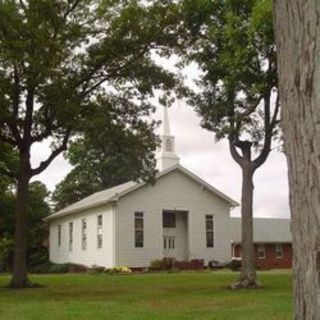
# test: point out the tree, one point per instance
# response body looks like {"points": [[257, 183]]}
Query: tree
{"points": [[297, 38], [36, 209], [60, 61], [108, 154], [232, 43]]}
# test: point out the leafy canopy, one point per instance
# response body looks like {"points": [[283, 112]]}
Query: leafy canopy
{"points": [[108, 153], [232, 43], [64, 61]]}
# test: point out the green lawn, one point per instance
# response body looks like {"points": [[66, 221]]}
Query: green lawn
{"points": [[147, 297]]}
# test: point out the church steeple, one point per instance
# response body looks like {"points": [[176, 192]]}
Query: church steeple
{"points": [[166, 157]]}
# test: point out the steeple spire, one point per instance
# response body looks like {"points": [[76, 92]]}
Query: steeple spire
{"points": [[166, 125], [166, 157]]}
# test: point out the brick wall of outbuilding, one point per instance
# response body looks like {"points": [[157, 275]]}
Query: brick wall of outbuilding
{"points": [[270, 261]]}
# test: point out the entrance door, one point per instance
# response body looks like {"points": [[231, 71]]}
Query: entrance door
{"points": [[169, 246], [175, 234]]}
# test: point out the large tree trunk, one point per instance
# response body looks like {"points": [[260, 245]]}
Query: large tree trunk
{"points": [[297, 30], [248, 277], [19, 276]]}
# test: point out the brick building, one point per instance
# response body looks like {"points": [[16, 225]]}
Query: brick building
{"points": [[272, 238]]}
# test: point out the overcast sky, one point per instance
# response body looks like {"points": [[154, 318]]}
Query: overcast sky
{"points": [[210, 160]]}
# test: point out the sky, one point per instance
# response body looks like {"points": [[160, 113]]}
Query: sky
{"points": [[210, 160]]}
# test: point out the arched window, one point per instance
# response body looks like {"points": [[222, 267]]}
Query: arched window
{"points": [[168, 145]]}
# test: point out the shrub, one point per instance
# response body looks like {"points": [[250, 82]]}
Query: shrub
{"points": [[38, 260], [119, 270], [234, 264], [77, 268], [194, 264], [58, 268], [49, 267], [162, 264], [41, 268], [96, 269]]}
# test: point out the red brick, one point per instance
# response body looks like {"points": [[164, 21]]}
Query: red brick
{"points": [[270, 261]]}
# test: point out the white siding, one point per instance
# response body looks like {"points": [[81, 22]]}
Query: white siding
{"points": [[173, 191], [92, 255]]}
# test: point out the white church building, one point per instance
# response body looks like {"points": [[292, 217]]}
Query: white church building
{"points": [[181, 216]]}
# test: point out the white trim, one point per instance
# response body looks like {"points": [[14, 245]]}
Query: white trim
{"points": [[261, 245], [281, 251], [189, 236], [114, 235]]}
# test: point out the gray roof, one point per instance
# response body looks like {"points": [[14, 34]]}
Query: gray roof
{"points": [[265, 230], [94, 200], [113, 194]]}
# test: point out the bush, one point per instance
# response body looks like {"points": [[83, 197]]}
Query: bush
{"points": [[119, 270], [162, 264], [96, 269], [49, 267], [41, 268], [234, 264], [194, 264], [172, 264], [38, 260]]}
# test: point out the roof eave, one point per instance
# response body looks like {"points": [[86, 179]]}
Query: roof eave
{"points": [[59, 214]]}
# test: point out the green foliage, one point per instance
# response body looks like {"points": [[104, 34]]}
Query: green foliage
{"points": [[79, 62], [234, 264], [96, 269], [37, 208], [6, 247], [162, 264], [109, 153], [47, 267], [232, 43]]}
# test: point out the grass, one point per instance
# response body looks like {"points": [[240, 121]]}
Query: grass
{"points": [[148, 297]]}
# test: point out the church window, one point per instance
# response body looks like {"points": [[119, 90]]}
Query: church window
{"points": [[99, 232], [169, 219], [138, 229], [70, 235], [279, 251], [169, 145], [209, 231], [84, 234], [261, 251], [59, 235]]}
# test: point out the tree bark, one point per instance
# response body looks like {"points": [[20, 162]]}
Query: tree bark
{"points": [[248, 277], [297, 31], [19, 275], [248, 271]]}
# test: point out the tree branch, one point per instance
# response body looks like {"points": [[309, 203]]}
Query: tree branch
{"points": [[71, 7], [49, 127], [274, 120], [268, 128], [44, 164], [250, 109], [15, 101], [234, 153]]}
